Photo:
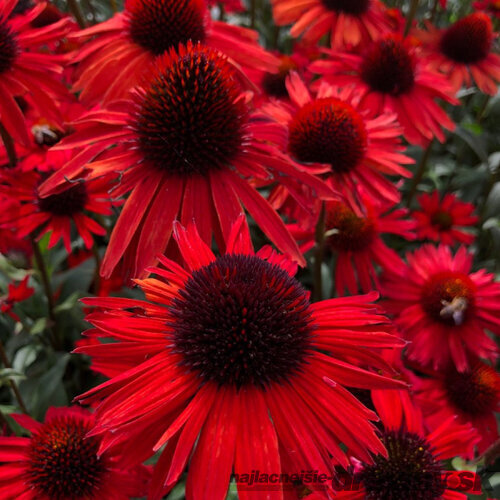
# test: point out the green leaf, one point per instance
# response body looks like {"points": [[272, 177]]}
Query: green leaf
{"points": [[7, 374], [475, 142], [69, 303]]}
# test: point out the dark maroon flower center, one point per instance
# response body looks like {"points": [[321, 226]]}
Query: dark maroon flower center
{"points": [[388, 66], [443, 220], [411, 470], [191, 118], [469, 39], [8, 46], [328, 131], [63, 464], [274, 84], [159, 25], [67, 203], [348, 231], [449, 297], [353, 7], [242, 321], [474, 392]]}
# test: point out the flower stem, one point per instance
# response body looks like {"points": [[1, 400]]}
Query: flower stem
{"points": [[9, 146], [434, 10], [74, 7], [13, 385], [114, 7], [253, 13], [411, 16], [97, 276], [422, 167], [319, 255]]}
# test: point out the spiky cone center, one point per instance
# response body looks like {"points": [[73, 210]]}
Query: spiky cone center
{"points": [[443, 220], [476, 391], [242, 321], [449, 297], [191, 117], [9, 47], [352, 7], [328, 131], [388, 66], [469, 40], [410, 471], [346, 231], [63, 463], [160, 25], [67, 203]]}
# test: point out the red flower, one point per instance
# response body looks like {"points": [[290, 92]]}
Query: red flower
{"points": [[473, 395], [349, 22], [126, 46], [35, 216], [16, 293], [229, 5], [59, 461], [23, 70], [464, 49], [183, 144], [354, 236], [491, 6], [443, 308], [333, 130], [439, 220], [229, 363], [392, 76]]}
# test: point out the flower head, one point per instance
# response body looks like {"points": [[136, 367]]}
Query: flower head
{"points": [[444, 308], [60, 461], [186, 144], [392, 76], [442, 219], [226, 334]]}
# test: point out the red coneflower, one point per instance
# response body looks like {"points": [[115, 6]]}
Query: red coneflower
{"points": [[491, 6], [35, 216], [231, 365], [126, 45], [25, 70], [184, 141], [16, 293], [414, 468], [349, 22], [472, 395], [392, 76], [354, 236], [331, 129], [58, 460], [443, 308], [440, 219], [464, 49]]}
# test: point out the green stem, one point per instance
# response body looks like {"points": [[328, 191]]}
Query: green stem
{"points": [[482, 110], [422, 166], [74, 7], [13, 385], [9, 146], [319, 255], [97, 276], [114, 7], [411, 15], [434, 10], [222, 12], [253, 13]]}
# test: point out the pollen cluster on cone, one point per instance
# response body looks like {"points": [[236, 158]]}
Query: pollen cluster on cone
{"points": [[241, 321], [190, 117], [68, 202]]}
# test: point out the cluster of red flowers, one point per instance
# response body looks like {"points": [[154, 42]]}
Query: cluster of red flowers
{"points": [[168, 145]]}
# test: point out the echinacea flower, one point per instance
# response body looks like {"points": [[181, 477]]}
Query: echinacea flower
{"points": [[463, 49], [123, 49], [16, 293], [472, 395], [59, 461], [24, 69], [490, 6], [348, 22], [443, 308], [392, 76], [31, 215], [231, 365], [442, 220], [186, 143], [415, 465], [353, 235], [331, 129]]}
